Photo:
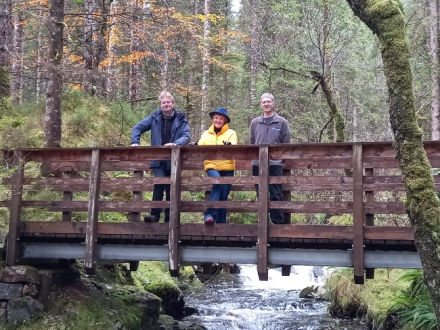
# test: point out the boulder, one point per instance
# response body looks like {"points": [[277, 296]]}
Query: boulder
{"points": [[30, 290], [22, 309], [2, 316], [20, 274], [308, 292], [166, 322], [10, 291], [151, 305]]}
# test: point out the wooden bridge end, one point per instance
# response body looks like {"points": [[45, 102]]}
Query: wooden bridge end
{"points": [[285, 270], [359, 280], [174, 272], [263, 276], [369, 273]]}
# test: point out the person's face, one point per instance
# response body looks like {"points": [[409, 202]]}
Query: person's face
{"points": [[166, 104], [218, 121], [267, 105]]}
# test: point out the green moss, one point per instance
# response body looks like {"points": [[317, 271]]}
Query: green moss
{"points": [[375, 299]]}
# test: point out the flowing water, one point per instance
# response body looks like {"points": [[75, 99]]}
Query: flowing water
{"points": [[243, 302]]}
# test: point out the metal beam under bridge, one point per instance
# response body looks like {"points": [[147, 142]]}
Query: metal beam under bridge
{"points": [[194, 255]]}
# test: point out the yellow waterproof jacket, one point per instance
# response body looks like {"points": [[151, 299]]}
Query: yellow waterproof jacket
{"points": [[210, 138]]}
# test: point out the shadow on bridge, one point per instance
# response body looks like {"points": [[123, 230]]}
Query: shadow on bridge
{"points": [[359, 179]]}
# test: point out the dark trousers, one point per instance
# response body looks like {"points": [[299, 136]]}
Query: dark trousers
{"points": [[275, 192], [160, 172], [219, 192]]}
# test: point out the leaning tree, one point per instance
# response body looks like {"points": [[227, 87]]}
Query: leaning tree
{"points": [[386, 19]]}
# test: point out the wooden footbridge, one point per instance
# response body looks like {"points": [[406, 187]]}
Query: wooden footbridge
{"points": [[358, 179]]}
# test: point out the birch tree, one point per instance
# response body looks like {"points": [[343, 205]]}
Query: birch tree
{"points": [[17, 64], [206, 63], [434, 56], [5, 60]]}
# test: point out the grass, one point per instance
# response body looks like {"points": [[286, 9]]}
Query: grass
{"points": [[375, 300]]}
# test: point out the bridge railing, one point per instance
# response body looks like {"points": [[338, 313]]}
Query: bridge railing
{"points": [[351, 169]]}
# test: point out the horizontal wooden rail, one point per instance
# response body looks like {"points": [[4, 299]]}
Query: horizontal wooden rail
{"points": [[227, 230]]}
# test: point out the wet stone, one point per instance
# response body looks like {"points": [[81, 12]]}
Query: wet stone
{"points": [[2, 316], [22, 309], [10, 291], [20, 274], [30, 290]]}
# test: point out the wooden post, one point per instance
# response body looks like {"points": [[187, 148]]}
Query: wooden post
{"points": [[15, 209], [263, 210], [136, 216], [369, 218], [358, 215], [174, 234], [285, 269], [67, 197], [92, 213]]}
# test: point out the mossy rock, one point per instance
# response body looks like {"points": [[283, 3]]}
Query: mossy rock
{"points": [[308, 292]]}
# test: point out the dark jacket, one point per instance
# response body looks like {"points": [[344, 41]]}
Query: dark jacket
{"points": [[275, 132], [180, 133]]}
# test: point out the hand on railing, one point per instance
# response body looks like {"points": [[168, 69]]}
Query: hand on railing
{"points": [[134, 145], [227, 143], [192, 144]]}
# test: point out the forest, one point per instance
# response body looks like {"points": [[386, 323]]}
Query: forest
{"points": [[82, 73]]}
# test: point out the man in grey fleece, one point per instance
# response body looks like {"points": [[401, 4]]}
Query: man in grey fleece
{"points": [[270, 128]]}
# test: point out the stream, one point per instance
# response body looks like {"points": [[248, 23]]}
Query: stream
{"points": [[243, 302]]}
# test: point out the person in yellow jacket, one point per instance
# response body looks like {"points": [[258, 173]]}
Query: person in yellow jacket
{"points": [[218, 134]]}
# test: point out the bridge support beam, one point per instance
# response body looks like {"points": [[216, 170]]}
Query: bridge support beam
{"points": [[174, 236], [92, 213], [15, 214], [136, 216], [369, 219], [263, 210], [358, 215]]}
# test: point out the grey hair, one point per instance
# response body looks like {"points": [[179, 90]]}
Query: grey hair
{"points": [[165, 94], [267, 95]]}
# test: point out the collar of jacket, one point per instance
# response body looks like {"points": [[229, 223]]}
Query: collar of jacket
{"points": [[157, 114], [224, 129], [275, 118]]}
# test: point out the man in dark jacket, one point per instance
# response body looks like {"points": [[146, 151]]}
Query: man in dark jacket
{"points": [[270, 128], [169, 128]]}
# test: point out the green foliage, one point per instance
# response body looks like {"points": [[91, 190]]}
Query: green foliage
{"points": [[374, 299], [414, 306]]}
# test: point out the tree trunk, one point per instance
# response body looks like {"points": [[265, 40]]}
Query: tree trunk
{"points": [[52, 121], [135, 80], [386, 20], [435, 53], [5, 60], [206, 61], [39, 85], [17, 64], [190, 109], [95, 46], [253, 52], [112, 38]]}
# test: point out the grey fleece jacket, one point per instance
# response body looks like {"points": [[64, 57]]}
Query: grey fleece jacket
{"points": [[275, 132]]}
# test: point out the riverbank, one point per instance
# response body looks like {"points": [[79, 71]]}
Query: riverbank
{"points": [[116, 298], [394, 299]]}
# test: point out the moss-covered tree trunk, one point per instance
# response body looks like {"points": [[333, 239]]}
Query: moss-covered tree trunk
{"points": [[385, 18]]}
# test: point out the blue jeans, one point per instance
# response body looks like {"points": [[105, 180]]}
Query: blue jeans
{"points": [[160, 172], [219, 192], [275, 192]]}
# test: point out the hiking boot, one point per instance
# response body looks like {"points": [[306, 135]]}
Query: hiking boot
{"points": [[209, 220], [151, 218]]}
